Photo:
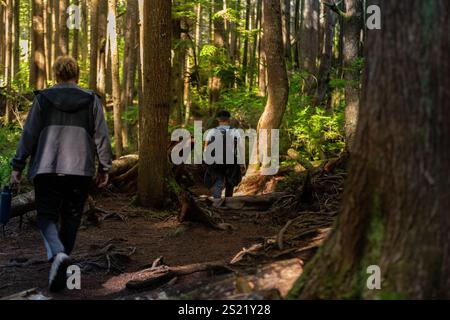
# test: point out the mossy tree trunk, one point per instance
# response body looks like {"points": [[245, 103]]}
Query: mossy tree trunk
{"points": [[395, 212]]}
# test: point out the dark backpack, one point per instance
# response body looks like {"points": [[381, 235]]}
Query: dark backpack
{"points": [[226, 151]]}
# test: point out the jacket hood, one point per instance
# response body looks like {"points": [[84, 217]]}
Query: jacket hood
{"points": [[68, 99]]}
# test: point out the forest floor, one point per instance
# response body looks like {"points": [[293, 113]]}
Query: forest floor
{"points": [[259, 255]]}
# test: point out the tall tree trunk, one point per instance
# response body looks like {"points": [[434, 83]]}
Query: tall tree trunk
{"points": [[8, 56], [129, 62], [48, 38], [256, 40], [278, 85], [262, 78], [177, 83], [93, 61], [63, 30], [84, 45], [154, 114], [37, 67], [248, 10], [395, 212], [16, 42], [55, 30], [198, 27], [323, 89], [309, 39], [102, 54], [352, 35], [286, 27], [115, 78], [76, 36], [2, 40], [297, 33], [187, 87], [220, 42]]}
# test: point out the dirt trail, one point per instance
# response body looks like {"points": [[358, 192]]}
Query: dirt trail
{"points": [[153, 234]]}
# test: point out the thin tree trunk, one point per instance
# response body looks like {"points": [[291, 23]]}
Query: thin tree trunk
{"points": [[323, 89], [2, 40], [16, 45], [309, 39], [154, 114], [115, 78], [297, 14], [256, 40], [63, 30], [76, 36], [48, 38], [177, 83], [129, 62], [8, 57], [55, 30], [84, 45], [102, 54], [286, 27], [38, 61], [395, 212], [93, 61], [248, 8], [198, 27], [352, 35], [220, 41]]}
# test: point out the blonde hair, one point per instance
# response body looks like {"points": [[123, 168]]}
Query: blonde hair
{"points": [[66, 68]]}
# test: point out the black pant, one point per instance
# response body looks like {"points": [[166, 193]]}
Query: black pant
{"points": [[60, 199]]}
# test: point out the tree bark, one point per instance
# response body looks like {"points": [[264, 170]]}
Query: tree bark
{"points": [[129, 62], [220, 42], [76, 36], [154, 114], [115, 78], [93, 61], [16, 42], [37, 68], [351, 42], [309, 38], [395, 212], [278, 85], [63, 30], [102, 54], [286, 27], [323, 90]]}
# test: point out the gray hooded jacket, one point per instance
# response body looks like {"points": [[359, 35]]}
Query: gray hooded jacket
{"points": [[64, 132]]}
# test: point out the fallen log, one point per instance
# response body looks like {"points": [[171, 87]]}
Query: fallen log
{"points": [[156, 276], [22, 204], [123, 165]]}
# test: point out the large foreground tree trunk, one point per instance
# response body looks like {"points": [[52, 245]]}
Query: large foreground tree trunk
{"points": [[395, 212], [154, 113]]}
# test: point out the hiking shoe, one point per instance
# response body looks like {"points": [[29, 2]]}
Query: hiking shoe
{"points": [[58, 272]]}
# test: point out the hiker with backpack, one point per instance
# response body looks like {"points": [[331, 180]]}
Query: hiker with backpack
{"points": [[223, 174], [64, 134]]}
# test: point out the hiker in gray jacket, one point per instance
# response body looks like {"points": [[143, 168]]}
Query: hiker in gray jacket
{"points": [[64, 134]]}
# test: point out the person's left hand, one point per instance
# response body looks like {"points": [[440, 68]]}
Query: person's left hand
{"points": [[16, 177], [102, 179]]}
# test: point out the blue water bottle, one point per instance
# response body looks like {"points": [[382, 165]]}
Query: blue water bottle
{"points": [[5, 205]]}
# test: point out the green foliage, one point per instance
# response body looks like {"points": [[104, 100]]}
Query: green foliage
{"points": [[9, 137], [313, 131], [245, 106]]}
